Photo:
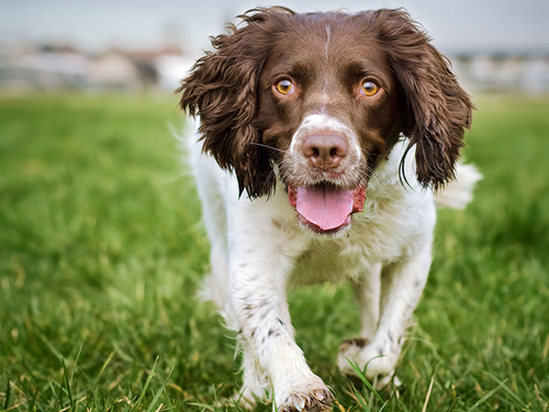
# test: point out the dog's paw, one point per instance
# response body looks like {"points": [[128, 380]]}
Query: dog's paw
{"points": [[308, 397], [378, 362], [348, 354]]}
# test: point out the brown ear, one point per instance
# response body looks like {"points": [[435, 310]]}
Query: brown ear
{"points": [[222, 89], [437, 108]]}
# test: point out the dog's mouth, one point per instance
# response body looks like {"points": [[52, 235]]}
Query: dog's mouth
{"points": [[325, 208]]}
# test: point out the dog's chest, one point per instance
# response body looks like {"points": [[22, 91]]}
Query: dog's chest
{"points": [[383, 234], [350, 256]]}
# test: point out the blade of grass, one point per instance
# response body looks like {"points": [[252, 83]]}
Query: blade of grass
{"points": [[67, 384], [160, 390], [360, 399], [145, 387], [363, 378], [487, 396], [424, 409], [104, 366], [7, 396], [508, 390], [202, 405]]}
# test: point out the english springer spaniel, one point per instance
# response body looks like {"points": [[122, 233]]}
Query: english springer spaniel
{"points": [[323, 142]]}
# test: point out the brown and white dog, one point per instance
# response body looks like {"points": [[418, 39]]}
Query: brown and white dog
{"points": [[320, 141]]}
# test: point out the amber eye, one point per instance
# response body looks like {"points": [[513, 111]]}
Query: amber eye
{"points": [[284, 87], [369, 88]]}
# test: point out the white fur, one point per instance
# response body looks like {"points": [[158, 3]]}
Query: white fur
{"points": [[457, 194], [258, 247], [321, 122]]}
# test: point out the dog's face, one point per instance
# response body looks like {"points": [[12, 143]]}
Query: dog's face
{"points": [[331, 107], [322, 98]]}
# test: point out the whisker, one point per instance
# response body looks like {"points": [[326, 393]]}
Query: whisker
{"points": [[269, 147]]}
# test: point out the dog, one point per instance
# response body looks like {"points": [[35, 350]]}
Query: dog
{"points": [[322, 142]]}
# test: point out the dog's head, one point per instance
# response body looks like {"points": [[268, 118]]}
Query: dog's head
{"points": [[322, 98]]}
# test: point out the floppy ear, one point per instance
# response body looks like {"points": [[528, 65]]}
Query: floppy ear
{"points": [[222, 90], [437, 108]]}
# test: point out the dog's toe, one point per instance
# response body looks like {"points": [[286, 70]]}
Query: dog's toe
{"points": [[316, 399]]}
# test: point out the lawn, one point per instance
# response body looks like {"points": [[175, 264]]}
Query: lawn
{"points": [[102, 251]]}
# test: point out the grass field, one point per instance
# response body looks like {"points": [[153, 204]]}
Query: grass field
{"points": [[101, 252]]}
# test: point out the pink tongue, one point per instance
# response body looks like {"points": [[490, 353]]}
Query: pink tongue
{"points": [[326, 207]]}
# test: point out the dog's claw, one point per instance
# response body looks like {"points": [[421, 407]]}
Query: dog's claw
{"points": [[319, 400]]}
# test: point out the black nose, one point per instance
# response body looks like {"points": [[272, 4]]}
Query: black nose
{"points": [[325, 151]]}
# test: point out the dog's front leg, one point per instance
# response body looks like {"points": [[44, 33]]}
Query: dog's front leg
{"points": [[260, 310], [258, 269], [402, 285]]}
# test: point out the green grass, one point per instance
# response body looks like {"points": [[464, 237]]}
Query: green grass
{"points": [[101, 253]]}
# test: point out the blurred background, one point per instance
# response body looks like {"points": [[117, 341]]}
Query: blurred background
{"points": [[126, 45]]}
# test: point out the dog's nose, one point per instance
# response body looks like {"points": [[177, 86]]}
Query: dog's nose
{"points": [[325, 151]]}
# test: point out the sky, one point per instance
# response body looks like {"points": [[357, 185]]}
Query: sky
{"points": [[96, 25]]}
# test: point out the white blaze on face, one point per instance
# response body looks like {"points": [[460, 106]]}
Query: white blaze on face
{"points": [[328, 38]]}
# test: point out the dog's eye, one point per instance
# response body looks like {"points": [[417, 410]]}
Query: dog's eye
{"points": [[285, 87], [369, 88]]}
